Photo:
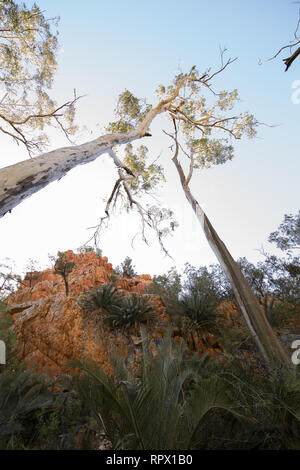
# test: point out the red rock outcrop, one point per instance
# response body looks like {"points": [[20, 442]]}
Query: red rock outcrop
{"points": [[53, 329], [90, 270]]}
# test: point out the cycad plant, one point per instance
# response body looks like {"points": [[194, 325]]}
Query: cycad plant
{"points": [[21, 393], [162, 408], [196, 308], [201, 308], [106, 296], [132, 310], [270, 402]]}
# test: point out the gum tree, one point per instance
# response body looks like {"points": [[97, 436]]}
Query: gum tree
{"points": [[287, 236], [201, 126], [63, 268], [202, 134], [28, 48]]}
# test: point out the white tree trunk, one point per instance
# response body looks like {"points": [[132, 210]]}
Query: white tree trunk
{"points": [[23, 179], [2, 352], [260, 329]]}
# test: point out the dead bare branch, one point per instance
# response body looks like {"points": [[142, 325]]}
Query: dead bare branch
{"points": [[289, 60]]}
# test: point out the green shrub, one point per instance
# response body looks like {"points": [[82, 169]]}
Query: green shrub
{"points": [[36, 413], [170, 282], [113, 278], [268, 403], [126, 269], [278, 312], [21, 393], [59, 428], [63, 268]]}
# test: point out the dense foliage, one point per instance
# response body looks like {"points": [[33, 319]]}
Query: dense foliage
{"points": [[28, 49], [174, 399], [126, 268], [63, 268], [132, 310], [183, 402], [105, 296], [121, 311]]}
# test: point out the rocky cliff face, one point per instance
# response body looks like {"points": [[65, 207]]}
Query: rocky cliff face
{"points": [[53, 329]]}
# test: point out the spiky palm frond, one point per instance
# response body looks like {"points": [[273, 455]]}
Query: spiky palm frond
{"points": [[132, 309], [268, 401], [150, 411], [200, 307], [196, 308], [106, 296], [100, 393], [21, 392]]}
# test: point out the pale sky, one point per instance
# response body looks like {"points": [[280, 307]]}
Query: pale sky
{"points": [[107, 47]]}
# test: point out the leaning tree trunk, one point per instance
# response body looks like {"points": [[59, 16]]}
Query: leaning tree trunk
{"points": [[261, 330], [23, 179]]}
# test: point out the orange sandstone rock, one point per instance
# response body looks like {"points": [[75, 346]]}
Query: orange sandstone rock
{"points": [[53, 329]]}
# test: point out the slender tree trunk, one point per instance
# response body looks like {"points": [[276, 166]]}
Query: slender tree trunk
{"points": [[66, 285], [2, 352], [261, 330]]}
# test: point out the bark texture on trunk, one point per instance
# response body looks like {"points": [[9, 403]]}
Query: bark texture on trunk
{"points": [[66, 286], [23, 179]]}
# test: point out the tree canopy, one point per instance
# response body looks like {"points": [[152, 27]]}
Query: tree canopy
{"points": [[28, 49], [287, 236]]}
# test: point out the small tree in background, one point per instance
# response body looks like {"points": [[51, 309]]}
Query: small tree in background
{"points": [[63, 267], [170, 282], [32, 273], [9, 280], [287, 236], [126, 269]]}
